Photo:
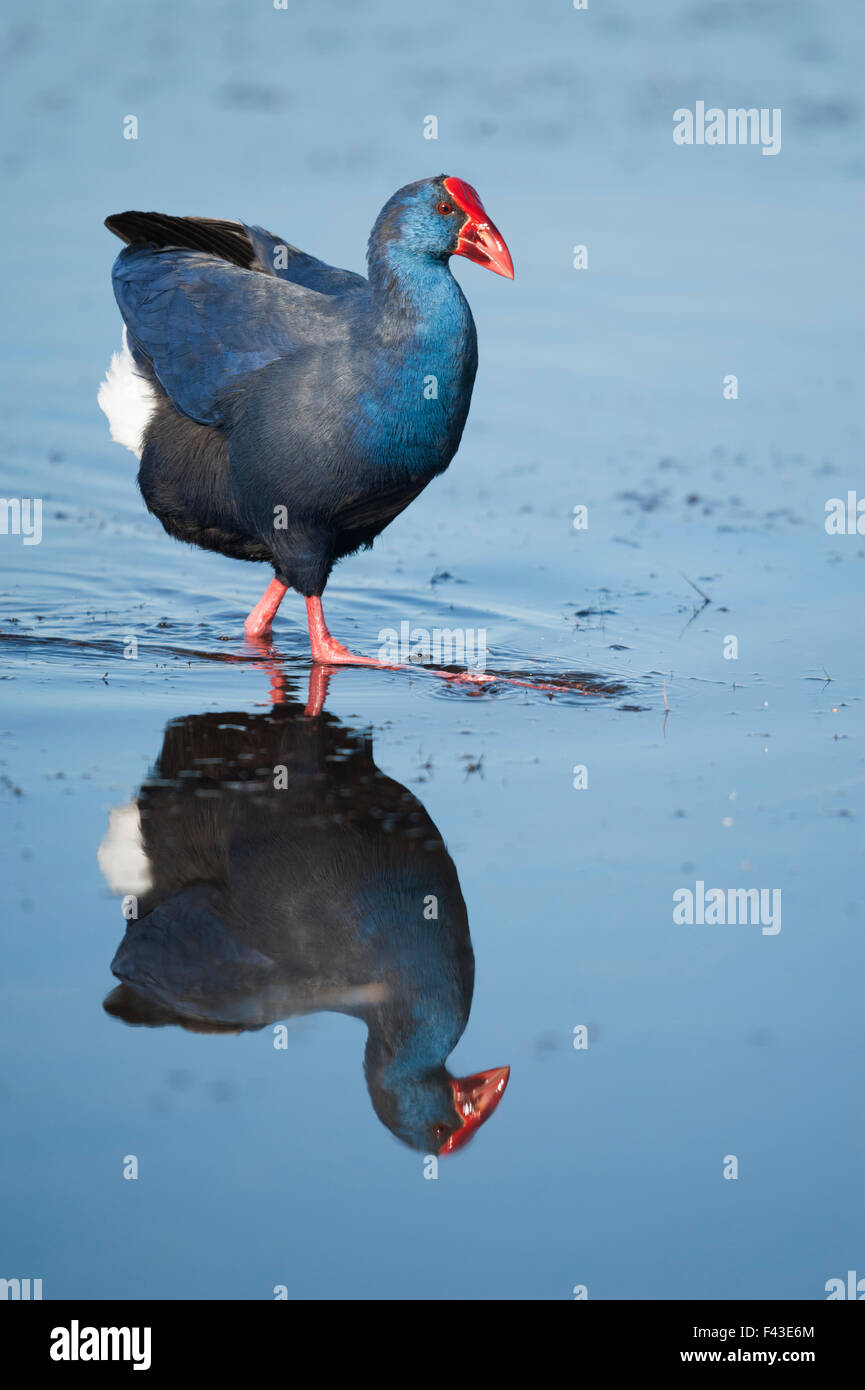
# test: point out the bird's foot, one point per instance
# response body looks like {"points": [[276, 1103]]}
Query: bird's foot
{"points": [[326, 651], [332, 653]]}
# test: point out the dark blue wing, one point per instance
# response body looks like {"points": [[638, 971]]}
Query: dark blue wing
{"points": [[204, 324], [185, 956], [279, 258]]}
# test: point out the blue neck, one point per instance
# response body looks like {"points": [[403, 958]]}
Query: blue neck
{"points": [[421, 333], [418, 286], [426, 1048]]}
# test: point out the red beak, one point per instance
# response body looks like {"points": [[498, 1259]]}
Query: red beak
{"points": [[480, 240], [475, 1099]]}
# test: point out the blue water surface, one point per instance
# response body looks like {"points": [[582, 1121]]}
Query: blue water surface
{"points": [[602, 1166]]}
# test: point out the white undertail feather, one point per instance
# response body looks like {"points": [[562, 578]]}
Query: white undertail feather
{"points": [[127, 399], [122, 857]]}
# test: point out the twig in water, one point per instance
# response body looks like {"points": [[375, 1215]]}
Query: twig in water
{"points": [[696, 588]]}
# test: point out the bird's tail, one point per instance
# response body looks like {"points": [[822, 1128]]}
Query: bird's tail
{"points": [[127, 399]]}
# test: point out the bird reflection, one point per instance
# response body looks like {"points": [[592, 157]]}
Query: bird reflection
{"points": [[276, 872]]}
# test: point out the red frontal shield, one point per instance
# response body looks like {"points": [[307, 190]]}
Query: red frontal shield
{"points": [[479, 240]]}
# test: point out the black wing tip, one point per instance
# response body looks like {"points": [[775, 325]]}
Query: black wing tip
{"points": [[123, 224], [226, 241]]}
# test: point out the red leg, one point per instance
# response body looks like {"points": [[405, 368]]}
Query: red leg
{"points": [[319, 679], [325, 649], [264, 612]]}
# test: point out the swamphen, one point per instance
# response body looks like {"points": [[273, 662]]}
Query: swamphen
{"points": [[277, 873], [284, 410]]}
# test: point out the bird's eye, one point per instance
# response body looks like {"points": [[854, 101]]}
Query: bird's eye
{"points": [[445, 209], [440, 1131]]}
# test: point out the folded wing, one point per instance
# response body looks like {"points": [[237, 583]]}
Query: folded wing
{"points": [[208, 302], [276, 256]]}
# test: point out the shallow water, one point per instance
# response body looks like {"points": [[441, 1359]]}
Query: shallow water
{"points": [[603, 1166]]}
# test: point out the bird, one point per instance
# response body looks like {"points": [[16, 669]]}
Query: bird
{"points": [[276, 872], [286, 411]]}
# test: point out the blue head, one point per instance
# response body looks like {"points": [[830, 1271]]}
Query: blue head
{"points": [[426, 1107], [433, 219]]}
